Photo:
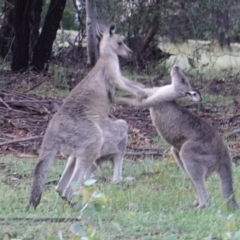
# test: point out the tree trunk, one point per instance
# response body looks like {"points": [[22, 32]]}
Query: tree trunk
{"points": [[43, 49], [227, 40], [6, 32], [151, 32], [222, 22], [92, 50], [20, 48], [35, 23]]}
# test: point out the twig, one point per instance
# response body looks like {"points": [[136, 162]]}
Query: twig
{"points": [[28, 101], [143, 153], [9, 50], [152, 153], [35, 86], [5, 104], [44, 219], [143, 148], [233, 150], [233, 132], [21, 140]]}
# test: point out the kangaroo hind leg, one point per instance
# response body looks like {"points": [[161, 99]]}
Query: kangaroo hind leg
{"points": [[66, 175], [85, 157], [196, 170]]}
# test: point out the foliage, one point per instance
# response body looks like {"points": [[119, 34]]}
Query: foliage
{"points": [[233, 232], [1, 5], [90, 203], [69, 19], [177, 20], [203, 61]]}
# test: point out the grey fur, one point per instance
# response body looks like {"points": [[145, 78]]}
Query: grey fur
{"points": [[115, 135], [113, 149], [77, 124], [197, 147]]}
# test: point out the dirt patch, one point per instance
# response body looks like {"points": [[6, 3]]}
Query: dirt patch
{"points": [[27, 115], [225, 87]]}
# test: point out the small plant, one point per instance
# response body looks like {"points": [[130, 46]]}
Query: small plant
{"points": [[90, 204], [60, 80], [232, 233]]}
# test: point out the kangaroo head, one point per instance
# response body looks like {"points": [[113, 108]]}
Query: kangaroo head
{"points": [[183, 86], [112, 43]]}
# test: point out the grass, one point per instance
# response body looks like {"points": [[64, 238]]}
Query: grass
{"points": [[149, 207], [210, 61]]}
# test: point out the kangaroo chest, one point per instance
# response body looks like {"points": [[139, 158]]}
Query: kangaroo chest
{"points": [[167, 121]]}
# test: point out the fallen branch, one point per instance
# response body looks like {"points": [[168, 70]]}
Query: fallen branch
{"points": [[27, 101], [44, 219], [154, 153], [143, 148], [35, 86], [4, 103], [233, 132], [21, 140]]}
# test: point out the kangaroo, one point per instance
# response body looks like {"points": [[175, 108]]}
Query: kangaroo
{"points": [[77, 124], [197, 147], [113, 149], [115, 135]]}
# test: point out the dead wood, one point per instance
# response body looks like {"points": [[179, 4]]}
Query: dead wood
{"points": [[35, 86], [233, 132], [23, 119], [21, 140], [43, 219], [143, 148], [153, 153]]}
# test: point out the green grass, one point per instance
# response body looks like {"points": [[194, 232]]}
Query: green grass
{"points": [[149, 207]]}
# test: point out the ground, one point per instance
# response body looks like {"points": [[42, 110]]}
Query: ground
{"points": [[148, 203]]}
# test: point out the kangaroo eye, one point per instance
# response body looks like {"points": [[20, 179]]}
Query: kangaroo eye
{"points": [[183, 80], [119, 43]]}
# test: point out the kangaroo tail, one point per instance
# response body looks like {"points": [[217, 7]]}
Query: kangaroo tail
{"points": [[225, 174], [47, 153]]}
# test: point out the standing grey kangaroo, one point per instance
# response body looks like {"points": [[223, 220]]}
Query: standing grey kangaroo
{"points": [[115, 135], [197, 147], [77, 124], [113, 149]]}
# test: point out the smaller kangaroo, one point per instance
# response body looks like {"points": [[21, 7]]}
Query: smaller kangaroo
{"points": [[113, 149], [197, 147], [115, 135]]}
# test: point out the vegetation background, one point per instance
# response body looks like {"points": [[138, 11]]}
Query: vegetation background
{"points": [[48, 46]]}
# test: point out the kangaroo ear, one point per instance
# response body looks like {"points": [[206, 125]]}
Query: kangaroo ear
{"points": [[111, 30]]}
